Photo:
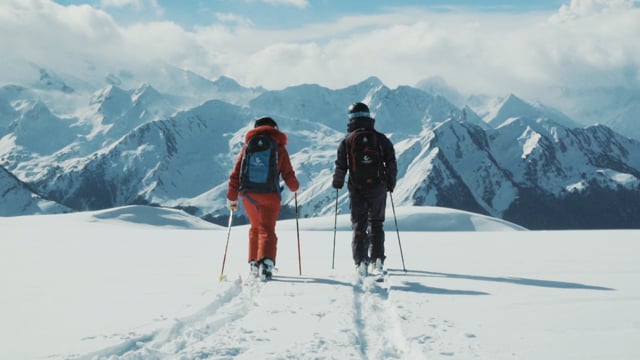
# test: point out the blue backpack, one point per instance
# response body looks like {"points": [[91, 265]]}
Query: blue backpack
{"points": [[259, 167]]}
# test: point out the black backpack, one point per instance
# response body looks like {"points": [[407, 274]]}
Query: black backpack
{"points": [[365, 158], [259, 167]]}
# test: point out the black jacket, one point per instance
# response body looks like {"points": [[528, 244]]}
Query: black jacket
{"points": [[388, 155]]}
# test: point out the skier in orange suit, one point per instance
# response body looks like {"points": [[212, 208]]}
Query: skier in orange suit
{"points": [[262, 208]]}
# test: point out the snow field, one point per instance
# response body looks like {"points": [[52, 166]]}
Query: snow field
{"points": [[145, 286]]}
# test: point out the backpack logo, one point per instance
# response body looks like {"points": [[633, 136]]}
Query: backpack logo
{"points": [[365, 158], [259, 166], [257, 161]]}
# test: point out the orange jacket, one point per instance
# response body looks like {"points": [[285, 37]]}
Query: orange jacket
{"points": [[284, 163]]}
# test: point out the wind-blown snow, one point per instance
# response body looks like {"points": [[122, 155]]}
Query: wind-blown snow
{"points": [[142, 283]]}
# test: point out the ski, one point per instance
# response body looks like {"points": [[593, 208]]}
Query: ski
{"points": [[266, 269], [371, 276], [264, 277], [380, 276]]}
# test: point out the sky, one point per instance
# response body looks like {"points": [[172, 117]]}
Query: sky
{"points": [[495, 48], [284, 14]]}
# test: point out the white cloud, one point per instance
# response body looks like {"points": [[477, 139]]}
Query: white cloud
{"points": [[44, 32], [583, 44], [136, 4], [493, 53], [583, 8], [477, 52], [233, 19], [121, 3], [297, 3]]}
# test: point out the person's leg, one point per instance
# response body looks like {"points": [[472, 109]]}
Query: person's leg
{"points": [[377, 207], [250, 207], [359, 242], [268, 211]]}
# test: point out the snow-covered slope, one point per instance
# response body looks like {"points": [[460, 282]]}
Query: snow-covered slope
{"points": [[142, 283], [186, 87], [17, 198], [401, 111], [499, 110], [159, 161]]}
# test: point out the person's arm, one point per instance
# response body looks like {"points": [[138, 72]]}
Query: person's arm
{"points": [[286, 170], [342, 165], [390, 164], [234, 179]]}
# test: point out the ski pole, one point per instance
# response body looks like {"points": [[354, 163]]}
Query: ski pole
{"points": [[397, 231], [224, 259], [295, 196], [335, 225]]}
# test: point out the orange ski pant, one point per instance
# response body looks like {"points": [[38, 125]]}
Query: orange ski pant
{"points": [[263, 211]]}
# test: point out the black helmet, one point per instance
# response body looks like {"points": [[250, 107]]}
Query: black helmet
{"points": [[265, 121], [359, 110]]}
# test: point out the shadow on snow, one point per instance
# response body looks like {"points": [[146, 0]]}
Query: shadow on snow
{"points": [[408, 286], [511, 280]]}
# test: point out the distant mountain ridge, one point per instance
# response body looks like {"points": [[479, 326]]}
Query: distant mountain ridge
{"points": [[17, 198], [526, 163]]}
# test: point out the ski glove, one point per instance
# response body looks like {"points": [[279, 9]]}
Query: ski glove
{"points": [[391, 184], [338, 178], [232, 205]]}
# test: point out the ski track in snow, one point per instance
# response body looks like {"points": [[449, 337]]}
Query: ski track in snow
{"points": [[379, 332], [188, 338], [367, 323]]}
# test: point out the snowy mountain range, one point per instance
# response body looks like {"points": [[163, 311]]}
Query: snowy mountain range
{"points": [[152, 144], [18, 198]]}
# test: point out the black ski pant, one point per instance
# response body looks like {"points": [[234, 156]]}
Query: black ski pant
{"points": [[367, 218]]}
